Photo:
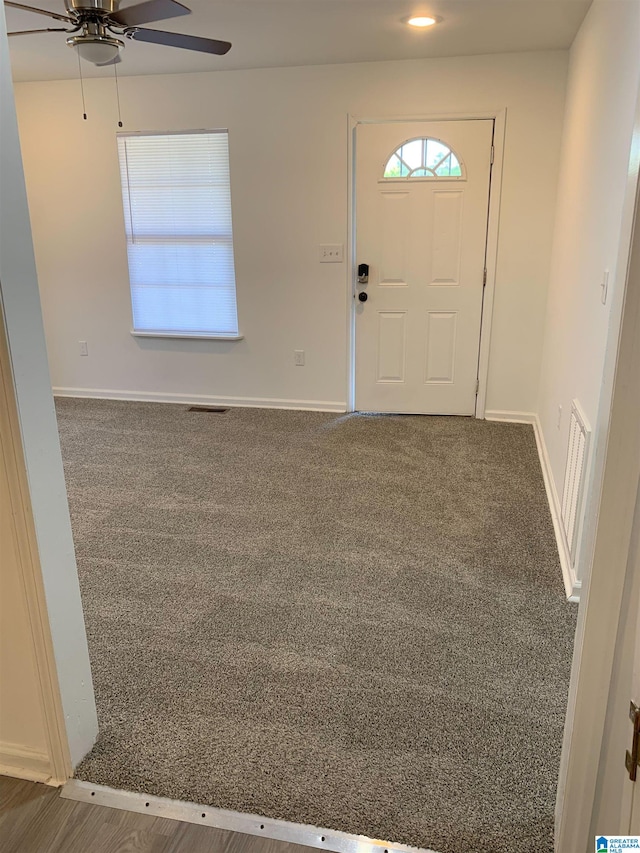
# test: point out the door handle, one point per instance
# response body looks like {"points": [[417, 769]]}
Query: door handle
{"points": [[362, 296], [363, 274], [631, 758]]}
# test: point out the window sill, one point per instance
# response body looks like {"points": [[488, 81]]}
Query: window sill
{"points": [[187, 336]]}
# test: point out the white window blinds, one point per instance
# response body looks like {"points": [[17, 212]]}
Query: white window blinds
{"points": [[177, 210]]}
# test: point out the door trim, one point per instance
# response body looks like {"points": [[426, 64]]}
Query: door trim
{"points": [[54, 766], [499, 118]]}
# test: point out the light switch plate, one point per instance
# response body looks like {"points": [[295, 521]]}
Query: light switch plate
{"points": [[331, 253]]}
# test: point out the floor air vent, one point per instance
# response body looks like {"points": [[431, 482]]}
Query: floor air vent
{"points": [[214, 410], [574, 477]]}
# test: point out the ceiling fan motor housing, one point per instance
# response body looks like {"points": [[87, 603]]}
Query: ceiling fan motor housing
{"points": [[100, 8]]}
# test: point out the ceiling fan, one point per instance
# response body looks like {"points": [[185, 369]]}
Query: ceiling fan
{"points": [[95, 27]]}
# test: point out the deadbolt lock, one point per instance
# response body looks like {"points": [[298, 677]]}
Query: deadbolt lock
{"points": [[363, 273]]}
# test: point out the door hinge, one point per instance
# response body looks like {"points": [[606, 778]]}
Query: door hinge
{"points": [[631, 758], [484, 277], [477, 386], [493, 154]]}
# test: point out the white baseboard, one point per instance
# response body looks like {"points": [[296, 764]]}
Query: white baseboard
{"points": [[203, 399], [510, 417], [22, 762], [571, 583]]}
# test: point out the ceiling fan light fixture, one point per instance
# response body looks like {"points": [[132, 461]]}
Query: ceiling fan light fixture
{"points": [[99, 50], [422, 21]]}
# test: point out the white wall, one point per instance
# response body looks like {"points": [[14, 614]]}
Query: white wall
{"points": [[604, 76], [594, 791], [21, 306], [614, 790], [288, 136]]}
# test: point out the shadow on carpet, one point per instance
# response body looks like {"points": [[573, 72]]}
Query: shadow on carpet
{"points": [[353, 622]]}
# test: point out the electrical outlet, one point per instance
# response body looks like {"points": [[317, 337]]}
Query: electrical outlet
{"points": [[298, 357], [559, 416], [604, 284], [332, 253], [84, 349]]}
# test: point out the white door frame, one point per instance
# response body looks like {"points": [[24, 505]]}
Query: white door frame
{"points": [[40, 448], [53, 767], [499, 117]]}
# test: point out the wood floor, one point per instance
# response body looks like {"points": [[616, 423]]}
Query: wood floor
{"points": [[34, 819]]}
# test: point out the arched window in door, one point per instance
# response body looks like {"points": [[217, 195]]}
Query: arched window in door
{"points": [[423, 158]]}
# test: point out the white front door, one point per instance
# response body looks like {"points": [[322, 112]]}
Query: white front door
{"points": [[422, 199]]}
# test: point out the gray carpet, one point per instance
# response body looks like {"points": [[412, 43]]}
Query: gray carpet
{"points": [[353, 622]]}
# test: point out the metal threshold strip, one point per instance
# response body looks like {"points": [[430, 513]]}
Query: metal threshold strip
{"points": [[280, 830]]}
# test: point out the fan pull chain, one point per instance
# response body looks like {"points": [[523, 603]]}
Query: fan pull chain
{"points": [[115, 71], [84, 108]]}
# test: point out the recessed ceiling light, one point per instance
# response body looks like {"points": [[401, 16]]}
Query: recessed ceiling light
{"points": [[422, 21]]}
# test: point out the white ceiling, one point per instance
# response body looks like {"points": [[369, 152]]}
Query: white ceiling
{"points": [[268, 33]]}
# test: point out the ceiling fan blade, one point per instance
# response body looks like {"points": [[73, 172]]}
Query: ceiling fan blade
{"points": [[152, 10], [219, 48], [53, 15], [30, 32]]}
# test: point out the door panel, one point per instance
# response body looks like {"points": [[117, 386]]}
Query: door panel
{"points": [[441, 346], [391, 346], [447, 238], [418, 333], [394, 238]]}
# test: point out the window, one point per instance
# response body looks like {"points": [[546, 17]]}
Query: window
{"points": [[423, 158], [177, 210]]}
